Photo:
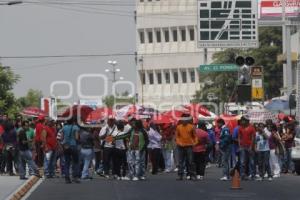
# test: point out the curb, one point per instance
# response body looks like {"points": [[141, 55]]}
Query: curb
{"points": [[22, 191]]}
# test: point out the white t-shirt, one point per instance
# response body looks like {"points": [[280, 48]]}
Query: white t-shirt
{"points": [[262, 144], [108, 131]]}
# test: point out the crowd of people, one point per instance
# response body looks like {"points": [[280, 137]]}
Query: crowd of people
{"points": [[127, 149]]}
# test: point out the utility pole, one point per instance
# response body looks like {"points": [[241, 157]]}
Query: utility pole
{"points": [[143, 77]]}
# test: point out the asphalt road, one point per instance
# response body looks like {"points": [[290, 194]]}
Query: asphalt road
{"points": [[165, 187]]}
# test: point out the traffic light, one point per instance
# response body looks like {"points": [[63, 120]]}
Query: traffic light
{"points": [[245, 69]]}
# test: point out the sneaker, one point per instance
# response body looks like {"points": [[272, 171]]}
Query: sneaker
{"points": [[188, 178], [167, 171], [266, 176], [225, 178], [259, 179], [23, 178], [106, 176], [68, 180], [142, 178], [276, 176], [208, 165], [135, 179], [201, 178], [76, 180], [270, 179], [125, 178], [176, 169], [198, 177]]}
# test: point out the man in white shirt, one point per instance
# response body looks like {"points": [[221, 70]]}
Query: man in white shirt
{"points": [[106, 134]]}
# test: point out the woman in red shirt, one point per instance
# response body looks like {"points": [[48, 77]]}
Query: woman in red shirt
{"points": [[199, 150]]}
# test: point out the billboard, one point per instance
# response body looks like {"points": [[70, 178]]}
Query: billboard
{"points": [[274, 8]]}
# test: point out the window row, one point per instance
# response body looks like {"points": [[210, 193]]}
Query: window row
{"points": [[168, 77], [148, 0], [174, 34]]}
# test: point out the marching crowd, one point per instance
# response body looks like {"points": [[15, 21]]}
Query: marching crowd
{"points": [[125, 150]]}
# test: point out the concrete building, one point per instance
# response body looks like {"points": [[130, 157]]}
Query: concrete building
{"points": [[167, 53]]}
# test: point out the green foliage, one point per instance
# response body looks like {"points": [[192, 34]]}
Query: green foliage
{"points": [[110, 100], [7, 100], [32, 98], [224, 83]]}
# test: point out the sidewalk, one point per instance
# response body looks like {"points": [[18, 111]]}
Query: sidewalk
{"points": [[8, 185]]}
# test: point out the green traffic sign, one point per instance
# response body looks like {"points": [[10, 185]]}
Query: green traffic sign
{"points": [[218, 68]]}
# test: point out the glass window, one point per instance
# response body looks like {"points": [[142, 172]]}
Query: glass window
{"points": [[183, 35], [158, 36], [159, 78], [167, 36], [175, 76], [151, 78], [192, 34], [175, 36], [192, 75], [142, 37], [183, 76], [167, 77], [150, 37]]}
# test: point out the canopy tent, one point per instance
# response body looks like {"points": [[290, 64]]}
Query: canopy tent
{"points": [[277, 105], [81, 111], [33, 112], [260, 116], [99, 114]]}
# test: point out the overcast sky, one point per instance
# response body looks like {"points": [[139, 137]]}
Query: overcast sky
{"points": [[33, 30]]}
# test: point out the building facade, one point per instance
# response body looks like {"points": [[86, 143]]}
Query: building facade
{"points": [[167, 53]]}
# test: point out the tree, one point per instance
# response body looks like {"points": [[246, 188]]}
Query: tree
{"points": [[7, 99], [32, 98], [111, 100], [224, 83]]}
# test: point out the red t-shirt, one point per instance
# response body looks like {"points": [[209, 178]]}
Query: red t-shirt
{"points": [[246, 135], [1, 132], [51, 141], [38, 132]]}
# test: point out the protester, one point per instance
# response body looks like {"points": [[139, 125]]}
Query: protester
{"points": [[199, 150], [121, 146], [2, 160], [168, 132], [9, 138], [87, 152], [288, 139], [70, 135], [39, 128], [274, 142], [246, 136], [211, 145], [25, 155], [185, 137], [49, 144], [154, 147], [263, 150], [225, 148], [136, 156], [106, 134]]}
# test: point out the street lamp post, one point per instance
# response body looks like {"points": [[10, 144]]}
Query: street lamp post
{"points": [[114, 71]]}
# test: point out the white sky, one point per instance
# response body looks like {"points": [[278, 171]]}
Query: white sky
{"points": [[30, 30]]}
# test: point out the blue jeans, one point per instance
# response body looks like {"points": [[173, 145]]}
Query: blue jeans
{"points": [[136, 163], [225, 157], [287, 160], [167, 154], [26, 157], [86, 157], [185, 160], [50, 163], [72, 156], [247, 162]]}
